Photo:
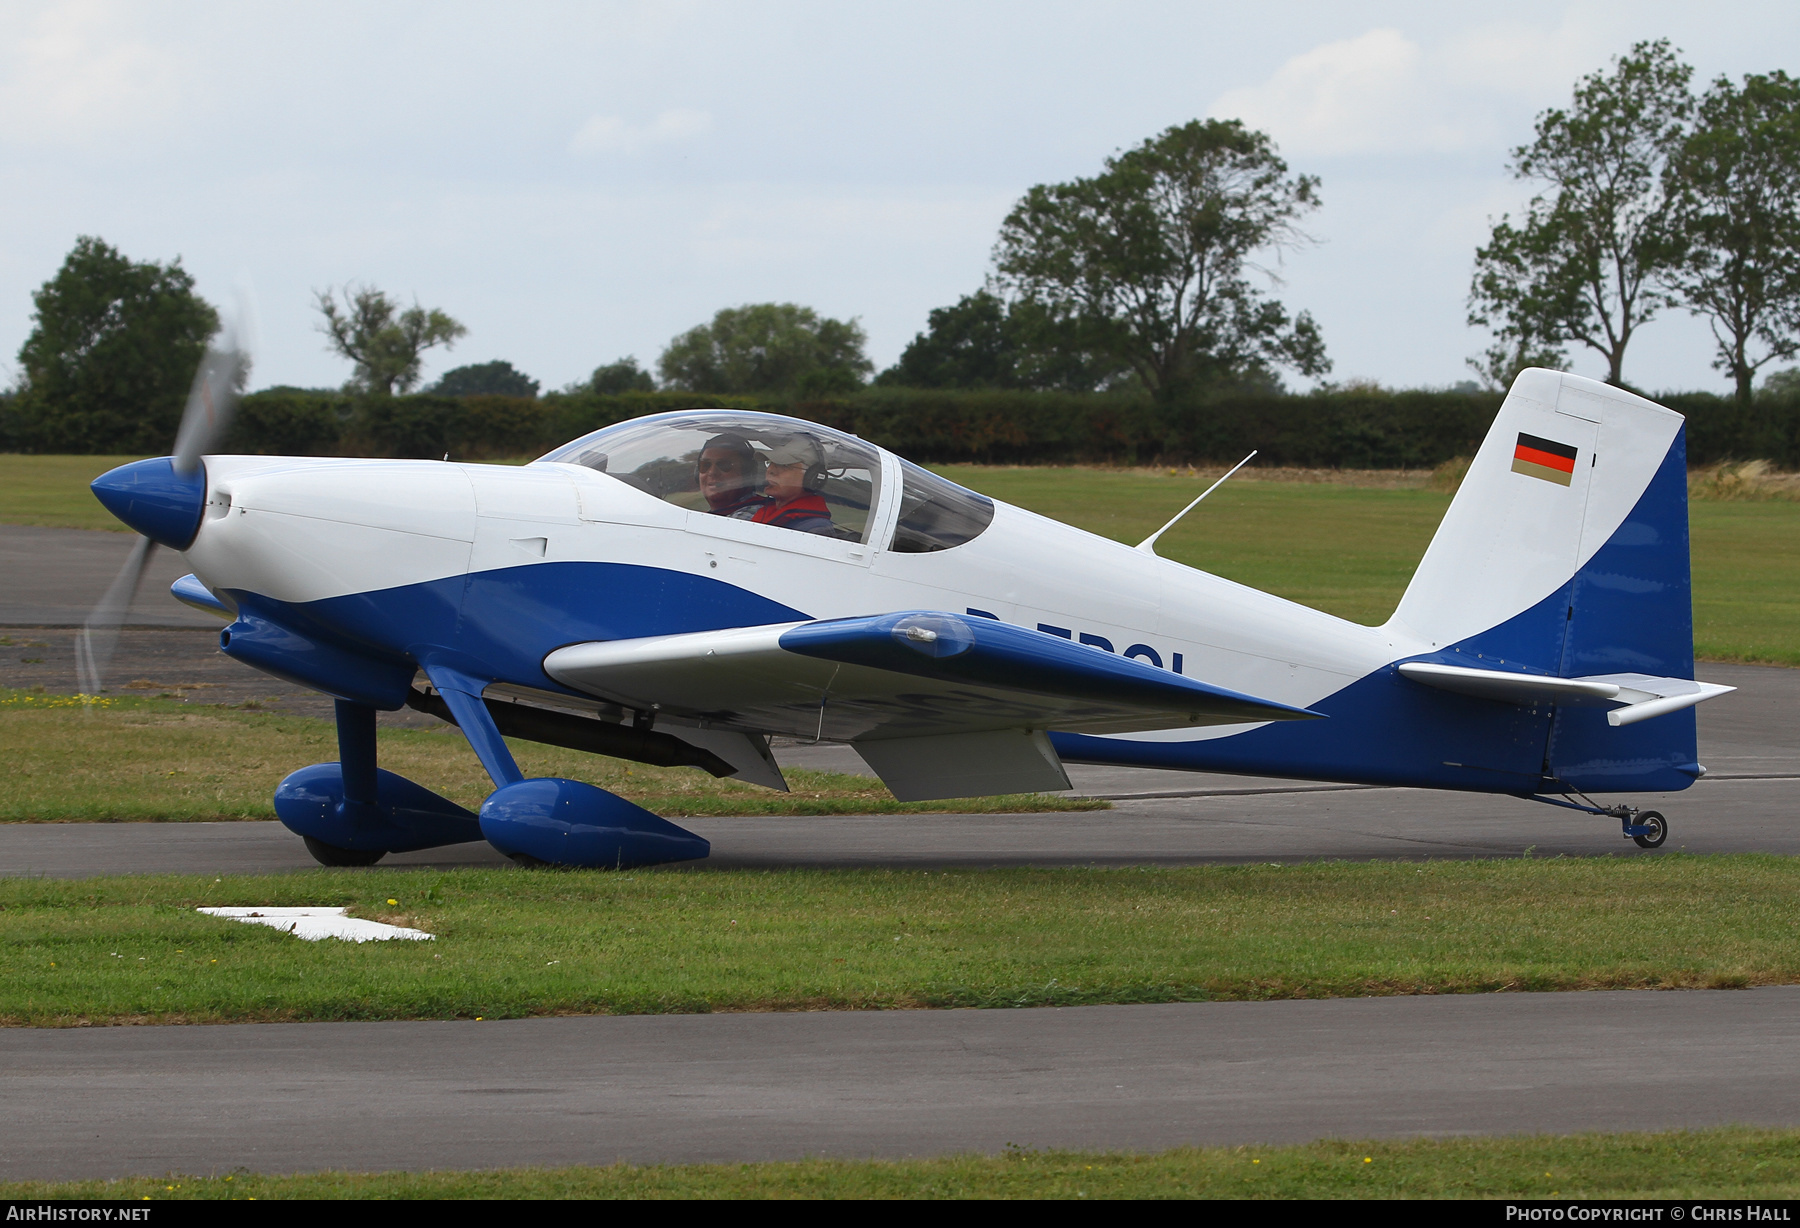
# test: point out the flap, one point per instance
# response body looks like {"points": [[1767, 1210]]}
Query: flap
{"points": [[897, 675], [1643, 695], [966, 764]]}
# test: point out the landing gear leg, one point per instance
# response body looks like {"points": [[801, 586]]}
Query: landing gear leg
{"points": [[353, 814], [356, 760], [1647, 828]]}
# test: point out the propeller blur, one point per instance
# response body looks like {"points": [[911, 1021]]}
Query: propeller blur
{"points": [[153, 496], [679, 588]]}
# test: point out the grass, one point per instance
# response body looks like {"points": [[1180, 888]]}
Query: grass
{"points": [[1344, 549], [516, 943], [1350, 550], [1746, 560], [1728, 1163], [53, 491], [131, 758]]}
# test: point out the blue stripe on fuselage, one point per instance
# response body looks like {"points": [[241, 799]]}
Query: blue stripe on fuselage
{"points": [[501, 624]]}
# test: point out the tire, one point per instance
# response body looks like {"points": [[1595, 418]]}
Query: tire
{"points": [[1659, 830], [332, 855]]}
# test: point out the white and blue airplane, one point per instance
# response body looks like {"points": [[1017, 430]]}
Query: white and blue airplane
{"points": [[677, 589]]}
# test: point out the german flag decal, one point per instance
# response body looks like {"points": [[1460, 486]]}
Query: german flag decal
{"points": [[1544, 458]]}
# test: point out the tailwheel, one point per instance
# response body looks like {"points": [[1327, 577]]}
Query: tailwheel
{"points": [[332, 855], [1656, 830]]}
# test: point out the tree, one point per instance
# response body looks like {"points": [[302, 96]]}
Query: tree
{"points": [[967, 345], [768, 347], [1735, 183], [385, 343], [1149, 257], [1781, 384], [1515, 349], [495, 378], [1586, 262], [982, 341], [112, 353], [622, 376]]}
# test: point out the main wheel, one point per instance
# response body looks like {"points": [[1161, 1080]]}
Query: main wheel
{"points": [[1659, 830], [332, 855]]}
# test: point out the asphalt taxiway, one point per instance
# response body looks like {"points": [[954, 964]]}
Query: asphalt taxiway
{"points": [[1713, 817], [96, 1102]]}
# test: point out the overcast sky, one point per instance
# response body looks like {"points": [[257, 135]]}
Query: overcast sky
{"points": [[580, 181]]}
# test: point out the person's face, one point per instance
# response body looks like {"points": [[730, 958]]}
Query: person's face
{"points": [[721, 473], [784, 483]]}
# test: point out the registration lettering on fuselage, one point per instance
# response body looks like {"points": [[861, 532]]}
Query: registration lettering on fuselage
{"points": [[1137, 652]]}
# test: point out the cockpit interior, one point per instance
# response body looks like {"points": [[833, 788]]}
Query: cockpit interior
{"points": [[783, 472]]}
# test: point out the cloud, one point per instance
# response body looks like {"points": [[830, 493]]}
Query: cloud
{"points": [[610, 134], [755, 227], [1358, 95], [72, 77], [1527, 62], [1381, 92]]}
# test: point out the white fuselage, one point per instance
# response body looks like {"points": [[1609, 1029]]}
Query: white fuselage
{"points": [[300, 530]]}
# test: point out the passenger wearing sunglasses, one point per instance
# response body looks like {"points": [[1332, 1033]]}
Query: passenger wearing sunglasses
{"points": [[730, 477]]}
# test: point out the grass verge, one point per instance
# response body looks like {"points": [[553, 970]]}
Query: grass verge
{"points": [[1350, 550], [514, 943], [1746, 561], [1734, 1163], [136, 758], [53, 491], [1347, 550]]}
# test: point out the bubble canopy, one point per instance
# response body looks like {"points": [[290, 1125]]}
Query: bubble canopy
{"points": [[742, 464], [664, 455]]}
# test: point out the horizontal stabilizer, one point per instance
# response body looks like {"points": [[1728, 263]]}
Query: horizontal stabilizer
{"points": [[1641, 696], [906, 675]]}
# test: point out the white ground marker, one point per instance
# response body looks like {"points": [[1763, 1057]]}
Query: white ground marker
{"points": [[313, 924]]}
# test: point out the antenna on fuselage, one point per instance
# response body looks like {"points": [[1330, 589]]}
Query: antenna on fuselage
{"points": [[1148, 545]]}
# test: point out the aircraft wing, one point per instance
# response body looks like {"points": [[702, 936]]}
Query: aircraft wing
{"points": [[897, 675], [940, 705]]}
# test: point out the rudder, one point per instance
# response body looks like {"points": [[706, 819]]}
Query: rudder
{"points": [[1566, 551]]}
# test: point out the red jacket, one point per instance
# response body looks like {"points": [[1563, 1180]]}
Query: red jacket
{"points": [[808, 514]]}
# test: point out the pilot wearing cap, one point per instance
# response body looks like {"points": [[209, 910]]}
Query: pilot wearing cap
{"points": [[791, 476]]}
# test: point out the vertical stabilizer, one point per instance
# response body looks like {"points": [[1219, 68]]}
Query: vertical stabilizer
{"points": [[1569, 466]]}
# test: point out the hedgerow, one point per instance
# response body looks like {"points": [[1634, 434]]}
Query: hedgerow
{"points": [[1350, 428]]}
